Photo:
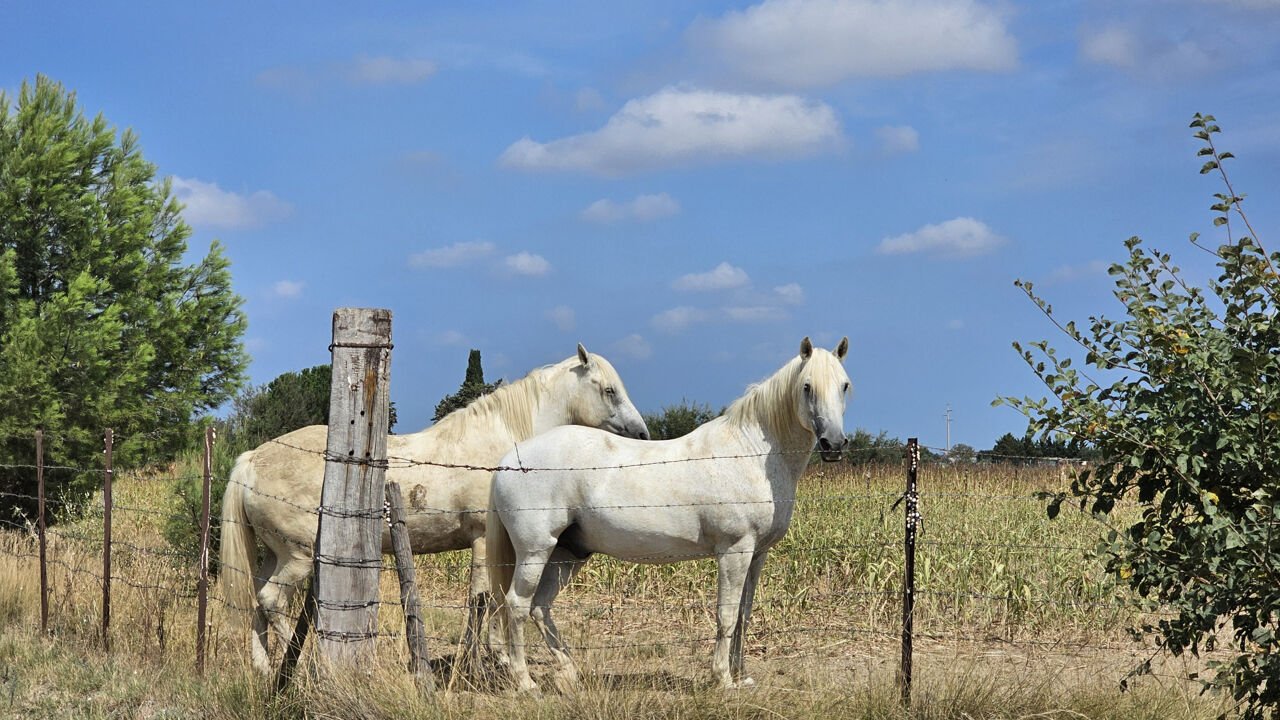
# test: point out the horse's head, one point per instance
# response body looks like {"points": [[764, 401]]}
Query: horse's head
{"points": [[821, 389], [597, 398]]}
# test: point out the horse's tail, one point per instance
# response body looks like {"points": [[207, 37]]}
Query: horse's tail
{"points": [[238, 555], [501, 554]]}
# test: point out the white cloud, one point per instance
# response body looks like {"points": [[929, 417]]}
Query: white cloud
{"points": [[287, 289], [896, 139], [632, 347], [1147, 53], [643, 208], [564, 317], [526, 263], [359, 71], [208, 205], [1112, 45], [723, 277], [459, 253], [1071, 273], [676, 126], [955, 324], [805, 43], [452, 338], [678, 319], [388, 71], [755, 313], [790, 294], [962, 236]]}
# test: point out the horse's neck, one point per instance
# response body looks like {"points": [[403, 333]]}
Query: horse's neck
{"points": [[783, 451]]}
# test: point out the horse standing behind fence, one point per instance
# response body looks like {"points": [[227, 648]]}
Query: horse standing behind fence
{"points": [[274, 490], [726, 490]]}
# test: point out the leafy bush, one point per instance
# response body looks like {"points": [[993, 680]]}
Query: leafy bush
{"points": [[1187, 427], [675, 421]]}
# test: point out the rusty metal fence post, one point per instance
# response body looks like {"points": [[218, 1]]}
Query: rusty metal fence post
{"points": [[44, 568], [912, 514], [202, 602], [106, 546]]}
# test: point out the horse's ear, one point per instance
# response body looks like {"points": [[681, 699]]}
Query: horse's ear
{"points": [[806, 348], [842, 349], [583, 355]]}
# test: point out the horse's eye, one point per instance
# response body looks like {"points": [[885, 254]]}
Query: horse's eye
{"points": [[846, 387], [610, 391], [806, 388]]}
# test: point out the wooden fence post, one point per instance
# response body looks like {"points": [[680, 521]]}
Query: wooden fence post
{"points": [[44, 568], [909, 572], [106, 546], [202, 602], [348, 550], [414, 632]]}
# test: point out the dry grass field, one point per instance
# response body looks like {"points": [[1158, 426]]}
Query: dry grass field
{"points": [[1013, 620]]}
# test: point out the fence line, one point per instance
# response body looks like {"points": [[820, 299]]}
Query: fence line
{"points": [[107, 575]]}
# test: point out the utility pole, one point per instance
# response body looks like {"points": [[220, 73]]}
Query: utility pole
{"points": [[947, 416]]}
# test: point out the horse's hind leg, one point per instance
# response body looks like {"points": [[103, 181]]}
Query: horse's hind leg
{"points": [[558, 574], [736, 661], [519, 601], [280, 579], [261, 657], [479, 607]]}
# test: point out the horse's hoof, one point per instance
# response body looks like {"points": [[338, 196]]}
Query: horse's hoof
{"points": [[566, 683], [528, 688]]}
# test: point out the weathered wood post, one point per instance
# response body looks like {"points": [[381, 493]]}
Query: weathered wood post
{"points": [[202, 588], [44, 567], [414, 632], [348, 549], [912, 514], [106, 544]]}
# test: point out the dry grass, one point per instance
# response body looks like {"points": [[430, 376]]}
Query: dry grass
{"points": [[1022, 625]]}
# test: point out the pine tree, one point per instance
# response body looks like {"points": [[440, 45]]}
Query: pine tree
{"points": [[102, 324]]}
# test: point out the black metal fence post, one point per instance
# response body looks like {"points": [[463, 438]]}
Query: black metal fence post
{"points": [[106, 547], [909, 571]]}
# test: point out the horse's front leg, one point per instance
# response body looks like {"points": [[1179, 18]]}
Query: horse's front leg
{"points": [[736, 660], [733, 566]]}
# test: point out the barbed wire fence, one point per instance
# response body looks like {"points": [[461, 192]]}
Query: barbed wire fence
{"points": [[186, 579], [816, 594]]}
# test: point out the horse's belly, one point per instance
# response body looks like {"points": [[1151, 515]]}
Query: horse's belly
{"points": [[642, 537]]}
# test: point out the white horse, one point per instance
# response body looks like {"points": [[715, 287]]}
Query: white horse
{"points": [[274, 490], [725, 490]]}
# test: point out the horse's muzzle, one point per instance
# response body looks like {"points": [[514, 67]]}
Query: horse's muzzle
{"points": [[828, 451]]}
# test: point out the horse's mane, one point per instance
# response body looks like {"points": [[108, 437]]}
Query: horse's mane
{"points": [[513, 405], [768, 403]]}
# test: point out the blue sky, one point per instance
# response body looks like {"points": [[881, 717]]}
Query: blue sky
{"points": [[687, 188]]}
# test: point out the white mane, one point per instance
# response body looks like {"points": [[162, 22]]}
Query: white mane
{"points": [[770, 402]]}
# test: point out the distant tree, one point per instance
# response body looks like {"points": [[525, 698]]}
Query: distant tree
{"points": [[102, 321], [473, 386], [678, 420], [961, 453], [863, 447]]}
